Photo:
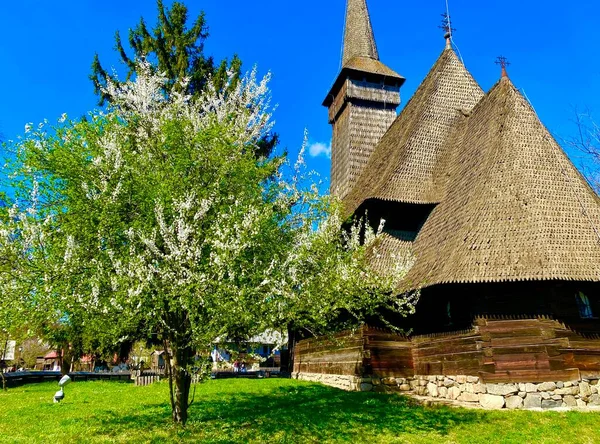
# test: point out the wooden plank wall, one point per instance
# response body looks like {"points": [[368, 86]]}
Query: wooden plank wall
{"points": [[531, 350], [456, 353], [497, 350], [341, 354], [387, 354]]}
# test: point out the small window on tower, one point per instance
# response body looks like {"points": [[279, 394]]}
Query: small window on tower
{"points": [[585, 308]]}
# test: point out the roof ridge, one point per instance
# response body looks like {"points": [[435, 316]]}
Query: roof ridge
{"points": [[418, 135]]}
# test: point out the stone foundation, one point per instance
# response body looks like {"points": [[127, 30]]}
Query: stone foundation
{"points": [[344, 382], [470, 390]]}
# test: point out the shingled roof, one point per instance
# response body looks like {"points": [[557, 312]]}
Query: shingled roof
{"points": [[360, 50], [515, 208], [359, 40], [409, 163]]}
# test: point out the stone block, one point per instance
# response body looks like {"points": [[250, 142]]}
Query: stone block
{"points": [[442, 392], [389, 381], [594, 389], [454, 393], [501, 389], [423, 382], [365, 387], [531, 388], [557, 397], [532, 400], [448, 382], [431, 378], [594, 400], [581, 403], [461, 379], [551, 404], [469, 397], [479, 388], [545, 395], [491, 401], [404, 387], [414, 383], [593, 382], [473, 379], [584, 389], [570, 401], [432, 389], [380, 389], [560, 384], [514, 402], [547, 387], [568, 384], [522, 394], [521, 386], [567, 391], [421, 391], [376, 381], [440, 377]]}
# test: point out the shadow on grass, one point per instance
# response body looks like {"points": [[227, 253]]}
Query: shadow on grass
{"points": [[303, 412], [314, 410]]}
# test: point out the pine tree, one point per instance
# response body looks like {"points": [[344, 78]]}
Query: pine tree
{"points": [[177, 51]]}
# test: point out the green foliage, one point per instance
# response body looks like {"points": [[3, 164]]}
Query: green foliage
{"points": [[275, 410], [155, 218], [175, 48]]}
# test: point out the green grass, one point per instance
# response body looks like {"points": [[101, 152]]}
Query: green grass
{"points": [[271, 411]]}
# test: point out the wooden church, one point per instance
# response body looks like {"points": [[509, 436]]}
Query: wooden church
{"points": [[504, 230]]}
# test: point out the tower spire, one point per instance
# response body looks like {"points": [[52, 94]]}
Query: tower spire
{"points": [[358, 36]]}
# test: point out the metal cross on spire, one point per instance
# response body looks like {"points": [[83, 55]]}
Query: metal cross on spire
{"points": [[503, 62], [447, 26]]}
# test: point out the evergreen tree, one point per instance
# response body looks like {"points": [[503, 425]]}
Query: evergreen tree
{"points": [[177, 51]]}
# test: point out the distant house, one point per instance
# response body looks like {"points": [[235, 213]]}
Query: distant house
{"points": [[263, 350], [52, 361], [158, 360]]}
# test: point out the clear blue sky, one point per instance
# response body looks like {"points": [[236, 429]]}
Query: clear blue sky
{"points": [[46, 49]]}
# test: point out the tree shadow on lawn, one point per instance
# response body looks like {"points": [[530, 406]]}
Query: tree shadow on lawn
{"points": [[299, 413], [318, 411]]}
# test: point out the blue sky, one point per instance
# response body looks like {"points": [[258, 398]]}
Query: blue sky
{"points": [[46, 49]]}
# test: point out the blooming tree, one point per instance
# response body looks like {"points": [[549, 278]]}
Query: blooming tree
{"points": [[155, 217]]}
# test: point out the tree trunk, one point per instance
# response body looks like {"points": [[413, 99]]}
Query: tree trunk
{"points": [[180, 378], [2, 367], [66, 356]]}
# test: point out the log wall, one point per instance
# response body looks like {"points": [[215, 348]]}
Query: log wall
{"points": [[341, 354], [495, 350]]}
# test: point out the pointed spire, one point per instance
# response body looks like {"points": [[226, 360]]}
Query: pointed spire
{"points": [[358, 38]]}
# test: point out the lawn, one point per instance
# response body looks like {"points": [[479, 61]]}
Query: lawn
{"points": [[270, 410]]}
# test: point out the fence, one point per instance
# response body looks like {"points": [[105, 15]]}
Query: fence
{"points": [[146, 380], [16, 379]]}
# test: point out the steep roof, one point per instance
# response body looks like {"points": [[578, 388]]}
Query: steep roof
{"points": [[358, 35], [360, 51], [410, 161], [515, 209]]}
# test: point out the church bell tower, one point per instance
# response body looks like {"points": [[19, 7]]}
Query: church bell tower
{"points": [[362, 101]]}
